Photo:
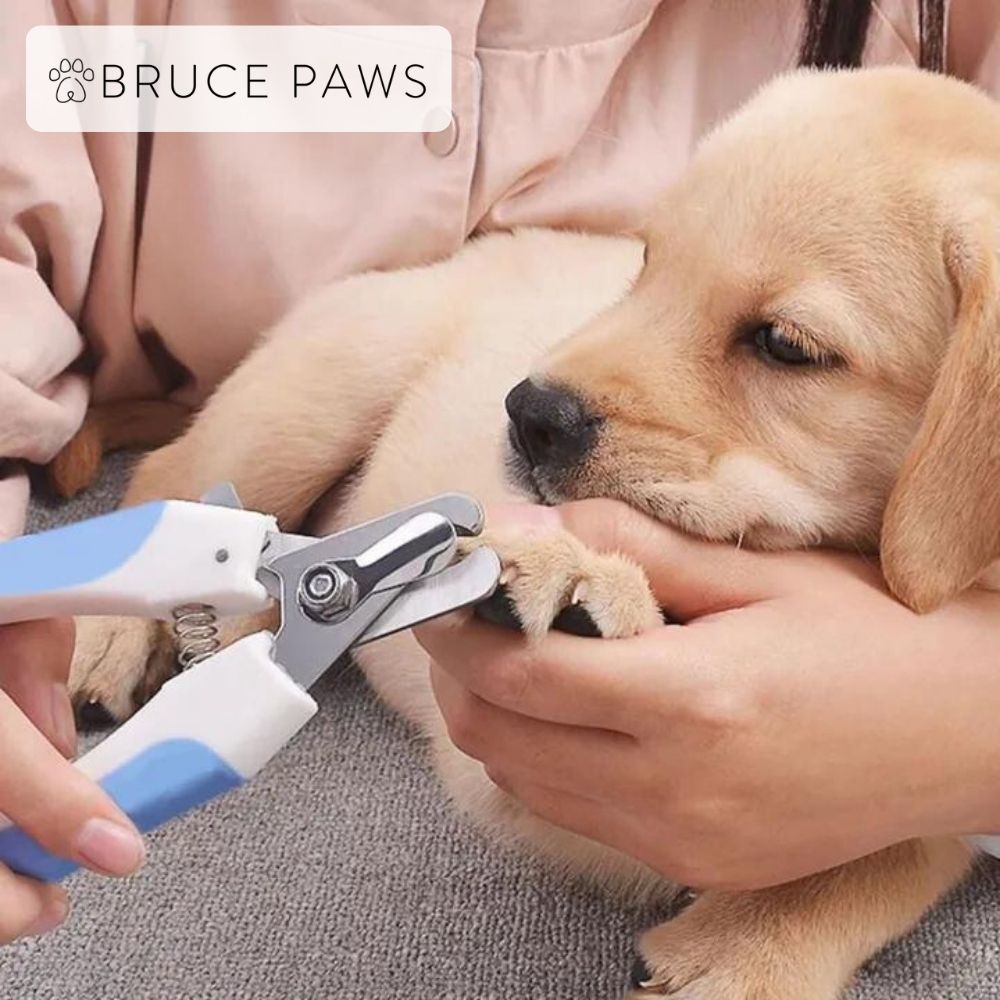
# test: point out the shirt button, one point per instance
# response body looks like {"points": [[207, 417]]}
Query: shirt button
{"points": [[444, 142]]}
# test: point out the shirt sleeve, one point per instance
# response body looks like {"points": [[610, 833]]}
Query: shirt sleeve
{"points": [[50, 211]]}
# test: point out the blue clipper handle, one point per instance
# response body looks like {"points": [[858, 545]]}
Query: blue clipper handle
{"points": [[75, 554], [142, 561], [165, 780], [208, 731]]}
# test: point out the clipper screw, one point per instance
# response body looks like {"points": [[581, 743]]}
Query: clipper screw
{"points": [[326, 592]]}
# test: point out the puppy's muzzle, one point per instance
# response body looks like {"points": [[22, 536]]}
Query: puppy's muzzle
{"points": [[550, 426]]}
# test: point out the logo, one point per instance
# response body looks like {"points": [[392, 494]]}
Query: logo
{"points": [[68, 78], [238, 78]]}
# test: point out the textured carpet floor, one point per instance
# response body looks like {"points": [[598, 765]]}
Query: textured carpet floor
{"points": [[341, 872]]}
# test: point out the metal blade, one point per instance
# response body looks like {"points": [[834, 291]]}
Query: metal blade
{"points": [[462, 510], [465, 583], [222, 495], [305, 646]]}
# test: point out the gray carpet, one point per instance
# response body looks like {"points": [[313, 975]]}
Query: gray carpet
{"points": [[341, 872]]}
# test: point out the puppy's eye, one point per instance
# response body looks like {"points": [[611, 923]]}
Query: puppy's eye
{"points": [[780, 347]]}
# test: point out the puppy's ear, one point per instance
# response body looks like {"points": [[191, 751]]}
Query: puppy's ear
{"points": [[942, 523]]}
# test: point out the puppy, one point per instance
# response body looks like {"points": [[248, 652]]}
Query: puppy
{"points": [[803, 348]]}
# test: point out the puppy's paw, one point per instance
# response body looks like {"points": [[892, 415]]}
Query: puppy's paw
{"points": [[553, 578], [118, 665], [723, 947]]}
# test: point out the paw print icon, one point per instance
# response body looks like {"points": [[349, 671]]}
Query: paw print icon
{"points": [[69, 78]]}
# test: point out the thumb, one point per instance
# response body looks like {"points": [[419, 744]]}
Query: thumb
{"points": [[689, 577], [57, 805]]}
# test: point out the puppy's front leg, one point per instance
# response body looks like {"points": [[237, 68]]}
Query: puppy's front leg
{"points": [[295, 417], [800, 941], [310, 401]]}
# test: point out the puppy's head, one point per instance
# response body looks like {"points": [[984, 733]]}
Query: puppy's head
{"points": [[811, 353]]}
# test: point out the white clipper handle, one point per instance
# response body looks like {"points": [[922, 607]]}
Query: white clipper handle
{"points": [[207, 732], [141, 561]]}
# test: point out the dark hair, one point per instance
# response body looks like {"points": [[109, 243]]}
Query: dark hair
{"points": [[836, 31]]}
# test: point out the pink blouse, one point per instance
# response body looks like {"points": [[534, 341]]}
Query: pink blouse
{"points": [[167, 254]]}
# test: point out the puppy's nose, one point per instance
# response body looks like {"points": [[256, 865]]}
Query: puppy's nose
{"points": [[549, 425]]}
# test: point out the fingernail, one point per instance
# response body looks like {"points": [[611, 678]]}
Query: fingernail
{"points": [[49, 919], [63, 723], [110, 847], [528, 517]]}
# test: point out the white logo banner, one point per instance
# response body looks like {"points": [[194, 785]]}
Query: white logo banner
{"points": [[302, 78]]}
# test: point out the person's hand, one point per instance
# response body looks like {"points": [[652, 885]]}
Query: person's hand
{"points": [[40, 790], [801, 717]]}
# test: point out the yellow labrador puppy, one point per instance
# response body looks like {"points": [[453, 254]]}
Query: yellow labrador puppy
{"points": [[802, 349]]}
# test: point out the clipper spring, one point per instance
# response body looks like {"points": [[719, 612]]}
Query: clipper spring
{"points": [[197, 633]]}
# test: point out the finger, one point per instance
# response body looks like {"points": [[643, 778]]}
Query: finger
{"points": [[563, 678], [580, 814], [28, 907], [34, 665], [57, 805], [690, 577], [566, 757]]}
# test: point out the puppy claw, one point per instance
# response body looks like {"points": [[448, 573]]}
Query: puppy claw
{"points": [[92, 715], [544, 577], [640, 975]]}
